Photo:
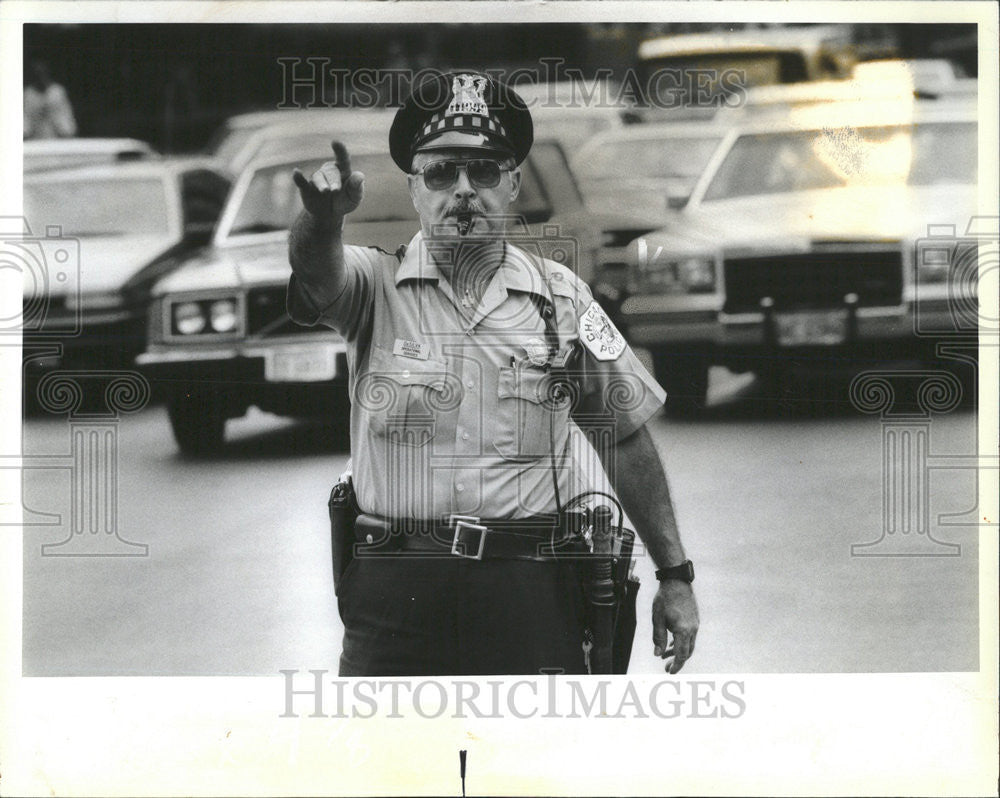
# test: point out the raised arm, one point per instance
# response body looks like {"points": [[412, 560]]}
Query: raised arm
{"points": [[315, 242]]}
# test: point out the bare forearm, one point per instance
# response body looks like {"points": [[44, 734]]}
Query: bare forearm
{"points": [[641, 484], [316, 254], [315, 242]]}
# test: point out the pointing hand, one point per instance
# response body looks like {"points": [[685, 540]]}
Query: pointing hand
{"points": [[334, 190]]}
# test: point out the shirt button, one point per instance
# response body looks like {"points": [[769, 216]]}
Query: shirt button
{"points": [[369, 539], [460, 487], [470, 384], [465, 436]]}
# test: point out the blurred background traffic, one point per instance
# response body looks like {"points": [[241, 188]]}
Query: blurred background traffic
{"points": [[751, 197], [764, 210]]}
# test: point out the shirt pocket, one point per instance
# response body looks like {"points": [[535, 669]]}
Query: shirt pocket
{"points": [[402, 397], [529, 414]]}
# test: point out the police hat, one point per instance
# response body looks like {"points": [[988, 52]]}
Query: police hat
{"points": [[460, 110]]}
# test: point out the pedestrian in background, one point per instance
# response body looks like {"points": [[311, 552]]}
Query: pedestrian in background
{"points": [[48, 113]]}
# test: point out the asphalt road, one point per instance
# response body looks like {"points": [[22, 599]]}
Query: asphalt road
{"points": [[237, 577]]}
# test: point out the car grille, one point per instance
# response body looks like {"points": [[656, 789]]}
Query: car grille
{"points": [[266, 316], [814, 280]]}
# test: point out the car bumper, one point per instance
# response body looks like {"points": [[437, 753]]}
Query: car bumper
{"points": [[96, 347], [246, 375], [699, 323]]}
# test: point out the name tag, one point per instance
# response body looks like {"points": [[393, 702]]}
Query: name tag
{"points": [[412, 349]]}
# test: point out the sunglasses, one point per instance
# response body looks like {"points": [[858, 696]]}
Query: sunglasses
{"points": [[482, 172]]}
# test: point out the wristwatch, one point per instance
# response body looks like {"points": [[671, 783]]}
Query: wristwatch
{"points": [[684, 572]]}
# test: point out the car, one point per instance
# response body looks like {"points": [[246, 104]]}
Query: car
{"points": [[572, 112], [303, 130], [929, 77], [798, 246], [653, 167], [129, 222], [763, 56], [219, 339], [42, 154], [230, 138]]}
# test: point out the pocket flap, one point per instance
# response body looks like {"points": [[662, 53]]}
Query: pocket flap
{"points": [[529, 384]]}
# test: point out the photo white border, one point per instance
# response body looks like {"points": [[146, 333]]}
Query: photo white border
{"points": [[865, 734]]}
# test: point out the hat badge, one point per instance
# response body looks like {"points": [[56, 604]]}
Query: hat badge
{"points": [[468, 95]]}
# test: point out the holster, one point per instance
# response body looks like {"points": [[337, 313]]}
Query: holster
{"points": [[611, 595], [344, 511]]}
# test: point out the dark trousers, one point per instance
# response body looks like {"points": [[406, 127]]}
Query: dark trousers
{"points": [[448, 616]]}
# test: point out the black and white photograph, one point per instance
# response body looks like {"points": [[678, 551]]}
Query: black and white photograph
{"points": [[499, 398]]}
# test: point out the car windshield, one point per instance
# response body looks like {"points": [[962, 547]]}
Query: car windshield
{"points": [[915, 155], [708, 71], [228, 142], [571, 127], [89, 208], [271, 147], [659, 158], [271, 202]]}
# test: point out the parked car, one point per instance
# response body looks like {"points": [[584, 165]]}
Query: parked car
{"points": [[798, 244], [68, 153], [310, 129], [571, 112], [763, 56], [219, 337], [652, 167], [230, 138], [132, 221]]}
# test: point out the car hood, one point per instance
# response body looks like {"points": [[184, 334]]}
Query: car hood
{"points": [[107, 262], [265, 262], [795, 220]]}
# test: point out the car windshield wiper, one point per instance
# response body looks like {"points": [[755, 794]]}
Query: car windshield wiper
{"points": [[96, 233], [258, 227]]}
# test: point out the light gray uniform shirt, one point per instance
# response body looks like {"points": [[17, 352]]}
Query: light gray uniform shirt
{"points": [[455, 409]]}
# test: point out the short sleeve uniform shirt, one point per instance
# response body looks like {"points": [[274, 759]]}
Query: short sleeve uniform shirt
{"points": [[466, 410]]}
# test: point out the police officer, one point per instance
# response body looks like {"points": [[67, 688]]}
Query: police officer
{"points": [[460, 446]]}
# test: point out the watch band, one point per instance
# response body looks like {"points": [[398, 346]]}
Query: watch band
{"points": [[684, 572]]}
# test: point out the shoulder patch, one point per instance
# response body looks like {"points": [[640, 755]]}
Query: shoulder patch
{"points": [[599, 335]]}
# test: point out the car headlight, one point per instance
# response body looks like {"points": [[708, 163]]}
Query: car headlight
{"points": [[697, 274], [188, 318], [664, 274], [222, 315], [205, 317]]}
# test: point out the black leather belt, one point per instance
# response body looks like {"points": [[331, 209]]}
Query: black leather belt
{"points": [[540, 538]]}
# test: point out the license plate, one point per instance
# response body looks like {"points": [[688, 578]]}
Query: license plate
{"points": [[314, 364], [825, 327]]}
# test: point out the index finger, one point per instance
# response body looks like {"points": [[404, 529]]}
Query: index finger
{"points": [[343, 159]]}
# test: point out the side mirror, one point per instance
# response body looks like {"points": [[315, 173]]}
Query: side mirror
{"points": [[676, 202]]}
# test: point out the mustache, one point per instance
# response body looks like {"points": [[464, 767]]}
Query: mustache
{"points": [[464, 207]]}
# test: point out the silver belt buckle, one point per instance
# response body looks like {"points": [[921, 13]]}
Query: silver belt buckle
{"points": [[461, 522]]}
